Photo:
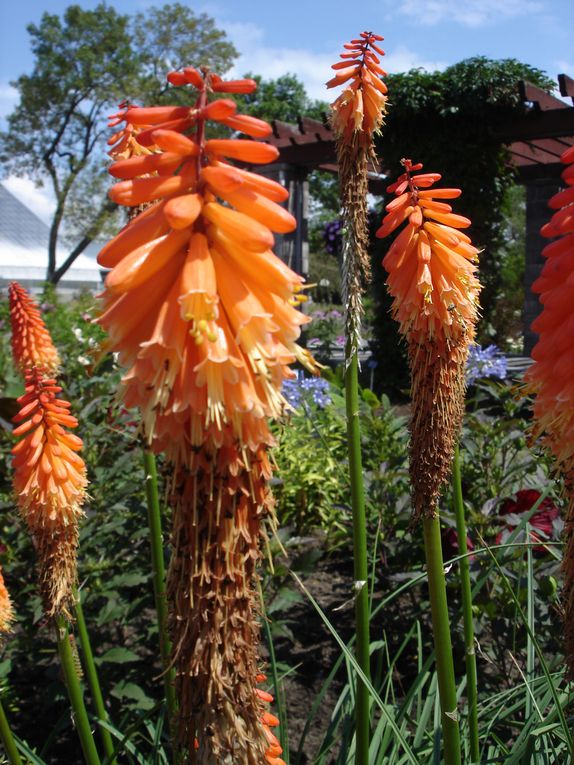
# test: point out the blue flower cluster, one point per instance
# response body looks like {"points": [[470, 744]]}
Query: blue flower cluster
{"points": [[333, 236], [306, 389], [485, 362]]}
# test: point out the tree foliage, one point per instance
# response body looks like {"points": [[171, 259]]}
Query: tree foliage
{"points": [[170, 37], [84, 64], [284, 99]]}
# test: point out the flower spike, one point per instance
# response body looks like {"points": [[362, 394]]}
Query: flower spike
{"points": [[50, 485], [550, 377], [431, 268], [355, 116], [31, 342], [359, 111]]}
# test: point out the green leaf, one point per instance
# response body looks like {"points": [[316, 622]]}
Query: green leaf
{"points": [[117, 655], [132, 692]]}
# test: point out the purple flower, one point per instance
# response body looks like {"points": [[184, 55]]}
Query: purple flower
{"points": [[305, 390], [485, 362]]}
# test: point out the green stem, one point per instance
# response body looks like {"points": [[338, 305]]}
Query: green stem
{"points": [[466, 592], [10, 747], [362, 718], [93, 680], [158, 576], [75, 693], [530, 617], [442, 642]]}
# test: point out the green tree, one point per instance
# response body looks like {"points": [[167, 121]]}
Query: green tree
{"points": [[84, 64], [284, 99], [171, 37]]}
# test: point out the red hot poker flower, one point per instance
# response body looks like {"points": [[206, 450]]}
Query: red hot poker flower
{"points": [[431, 263], [551, 376], [355, 116], [204, 316], [50, 484], [31, 342], [360, 108], [432, 278], [201, 311]]}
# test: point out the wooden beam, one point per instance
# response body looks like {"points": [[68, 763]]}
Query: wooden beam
{"points": [[308, 154], [566, 85], [542, 100], [538, 172], [553, 123], [534, 152]]}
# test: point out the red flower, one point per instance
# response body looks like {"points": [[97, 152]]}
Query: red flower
{"points": [[543, 520]]}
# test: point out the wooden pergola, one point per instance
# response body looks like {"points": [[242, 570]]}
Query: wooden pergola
{"points": [[535, 140]]}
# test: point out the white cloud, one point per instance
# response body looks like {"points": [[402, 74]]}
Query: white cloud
{"points": [[8, 99], [313, 69], [402, 59], [469, 13], [38, 199]]}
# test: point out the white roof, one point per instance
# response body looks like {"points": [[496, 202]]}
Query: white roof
{"points": [[24, 251]]}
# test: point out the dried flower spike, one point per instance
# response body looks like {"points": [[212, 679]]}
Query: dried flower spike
{"points": [[431, 269], [31, 342], [50, 485], [550, 377]]}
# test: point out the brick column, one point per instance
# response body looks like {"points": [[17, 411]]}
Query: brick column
{"points": [[538, 192]]}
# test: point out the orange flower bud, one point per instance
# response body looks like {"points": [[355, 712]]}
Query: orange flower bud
{"points": [[31, 342]]}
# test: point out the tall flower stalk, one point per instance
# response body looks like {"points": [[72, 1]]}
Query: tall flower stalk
{"points": [[550, 377], [204, 317], [431, 269], [468, 622], [50, 487], [357, 114]]}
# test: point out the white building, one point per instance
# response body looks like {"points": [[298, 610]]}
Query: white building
{"points": [[24, 252]]}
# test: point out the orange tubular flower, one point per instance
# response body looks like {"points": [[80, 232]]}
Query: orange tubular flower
{"points": [[6, 611], [50, 485], [204, 317], [31, 342], [199, 308], [356, 115], [551, 377], [358, 112], [431, 269]]}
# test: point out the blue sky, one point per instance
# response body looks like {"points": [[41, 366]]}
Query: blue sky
{"points": [[305, 36]]}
